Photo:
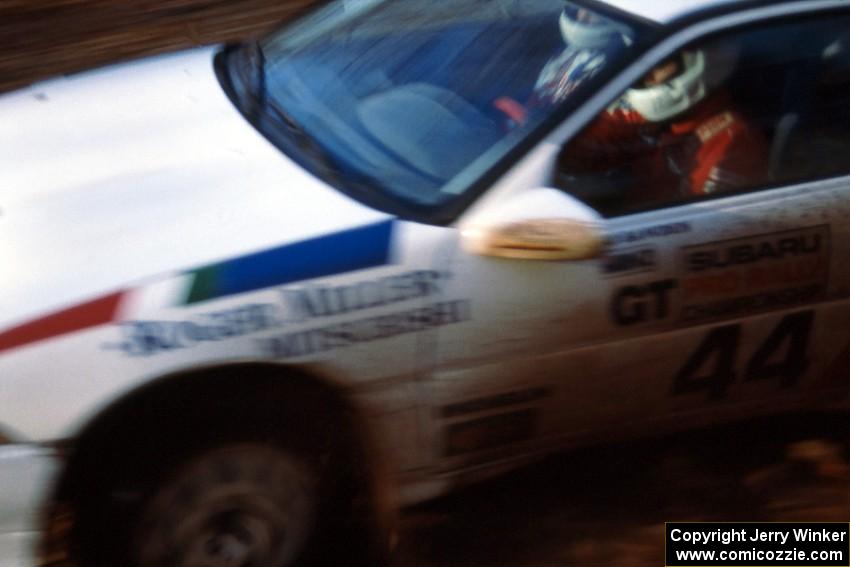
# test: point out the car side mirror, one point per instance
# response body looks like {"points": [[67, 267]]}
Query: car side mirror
{"points": [[541, 224]]}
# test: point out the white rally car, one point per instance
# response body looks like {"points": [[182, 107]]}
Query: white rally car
{"points": [[255, 298]]}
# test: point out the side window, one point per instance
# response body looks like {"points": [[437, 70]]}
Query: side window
{"points": [[746, 110]]}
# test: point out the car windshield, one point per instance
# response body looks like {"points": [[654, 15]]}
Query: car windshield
{"points": [[415, 99]]}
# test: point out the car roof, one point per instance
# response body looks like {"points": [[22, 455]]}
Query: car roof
{"points": [[664, 11]]}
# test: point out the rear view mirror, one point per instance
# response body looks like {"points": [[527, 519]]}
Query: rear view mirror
{"points": [[542, 224]]}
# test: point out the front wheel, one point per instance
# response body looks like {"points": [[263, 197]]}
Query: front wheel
{"points": [[244, 505]]}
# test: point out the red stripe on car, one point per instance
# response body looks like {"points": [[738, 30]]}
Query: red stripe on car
{"points": [[77, 318]]}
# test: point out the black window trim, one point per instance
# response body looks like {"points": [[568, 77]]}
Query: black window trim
{"points": [[695, 27]]}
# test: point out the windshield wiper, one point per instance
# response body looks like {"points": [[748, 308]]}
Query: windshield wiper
{"points": [[255, 61], [295, 130], [260, 107], [305, 142]]}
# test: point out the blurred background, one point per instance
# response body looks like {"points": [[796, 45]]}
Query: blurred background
{"points": [[605, 506], [41, 38]]}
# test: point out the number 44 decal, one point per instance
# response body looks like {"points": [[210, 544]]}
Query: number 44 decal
{"points": [[721, 344]]}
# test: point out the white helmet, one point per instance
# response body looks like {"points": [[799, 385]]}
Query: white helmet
{"points": [[596, 34], [702, 72]]}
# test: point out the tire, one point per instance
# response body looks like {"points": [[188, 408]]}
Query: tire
{"points": [[246, 505], [275, 480]]}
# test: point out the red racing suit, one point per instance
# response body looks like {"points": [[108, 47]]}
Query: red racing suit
{"points": [[710, 150]]}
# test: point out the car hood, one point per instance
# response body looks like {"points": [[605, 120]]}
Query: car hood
{"points": [[146, 168]]}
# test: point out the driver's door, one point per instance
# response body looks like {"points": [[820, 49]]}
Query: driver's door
{"points": [[551, 348]]}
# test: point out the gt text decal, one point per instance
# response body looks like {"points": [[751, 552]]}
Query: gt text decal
{"points": [[771, 271], [643, 302], [711, 367]]}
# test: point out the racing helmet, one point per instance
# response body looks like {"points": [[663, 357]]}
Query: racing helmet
{"points": [[584, 30], [700, 72]]}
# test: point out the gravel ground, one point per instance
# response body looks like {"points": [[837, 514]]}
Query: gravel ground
{"points": [[607, 506], [597, 507]]}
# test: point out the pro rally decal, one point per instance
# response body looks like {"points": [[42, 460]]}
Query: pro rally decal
{"points": [[745, 275], [725, 279]]}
